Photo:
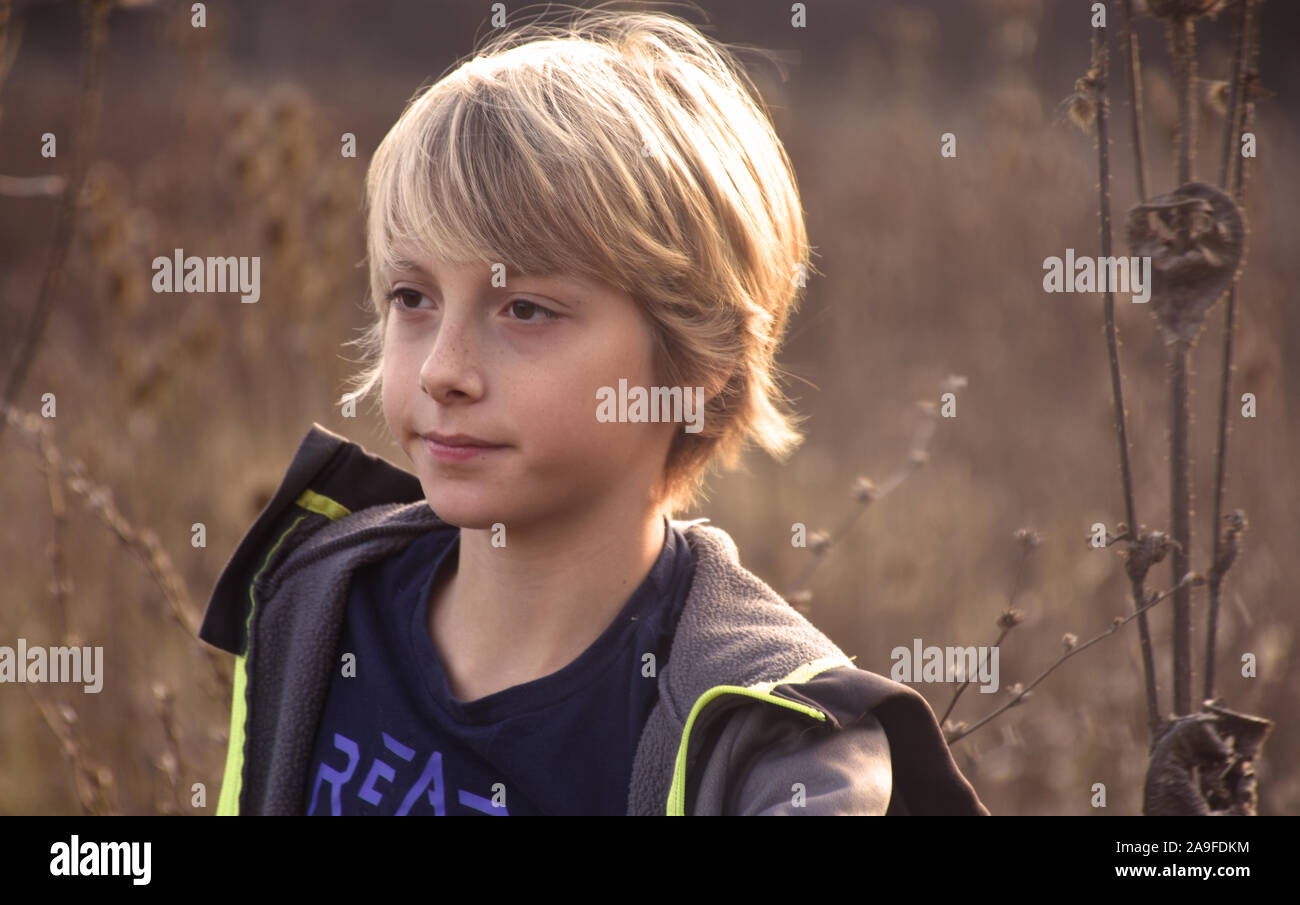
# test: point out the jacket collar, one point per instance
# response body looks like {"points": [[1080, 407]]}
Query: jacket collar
{"points": [[335, 469]]}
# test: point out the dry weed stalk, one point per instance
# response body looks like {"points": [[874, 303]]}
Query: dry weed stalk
{"points": [[11, 38], [1134, 64], [1144, 549], [1027, 540], [1195, 245], [1020, 692], [61, 583], [94, 39], [1201, 763], [170, 762], [1241, 109], [866, 492], [144, 543], [96, 788]]}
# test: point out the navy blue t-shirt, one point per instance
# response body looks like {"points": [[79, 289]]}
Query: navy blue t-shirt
{"points": [[394, 740]]}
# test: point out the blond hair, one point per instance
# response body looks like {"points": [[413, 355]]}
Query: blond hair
{"points": [[628, 148]]}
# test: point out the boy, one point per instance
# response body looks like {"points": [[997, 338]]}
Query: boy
{"points": [[583, 251]]}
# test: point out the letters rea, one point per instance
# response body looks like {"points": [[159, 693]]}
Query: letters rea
{"points": [[430, 784]]}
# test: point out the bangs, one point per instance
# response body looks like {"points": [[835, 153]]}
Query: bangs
{"points": [[489, 168]]}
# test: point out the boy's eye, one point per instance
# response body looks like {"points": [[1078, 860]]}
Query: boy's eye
{"points": [[400, 295], [523, 308], [409, 300]]}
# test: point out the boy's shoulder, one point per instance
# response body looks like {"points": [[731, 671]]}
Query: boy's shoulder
{"points": [[755, 701], [747, 678], [734, 630]]}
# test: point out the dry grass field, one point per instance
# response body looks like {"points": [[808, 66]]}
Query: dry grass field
{"points": [[184, 409]]}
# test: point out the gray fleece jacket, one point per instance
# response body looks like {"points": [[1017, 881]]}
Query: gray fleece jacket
{"points": [[758, 712]]}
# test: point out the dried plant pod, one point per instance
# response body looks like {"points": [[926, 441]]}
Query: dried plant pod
{"points": [[1187, 276], [1189, 745], [1202, 764]]}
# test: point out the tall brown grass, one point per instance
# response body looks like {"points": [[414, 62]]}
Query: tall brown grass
{"points": [[177, 410]]}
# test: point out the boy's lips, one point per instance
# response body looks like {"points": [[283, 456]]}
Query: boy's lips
{"points": [[455, 448], [456, 440]]}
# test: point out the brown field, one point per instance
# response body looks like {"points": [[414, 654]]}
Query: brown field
{"points": [[188, 407]]}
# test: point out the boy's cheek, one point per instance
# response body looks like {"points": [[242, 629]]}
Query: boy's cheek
{"points": [[394, 407]]}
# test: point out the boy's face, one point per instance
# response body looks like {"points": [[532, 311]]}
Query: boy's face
{"points": [[517, 367]]}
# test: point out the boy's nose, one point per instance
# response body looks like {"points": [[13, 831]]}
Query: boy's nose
{"points": [[452, 365]]}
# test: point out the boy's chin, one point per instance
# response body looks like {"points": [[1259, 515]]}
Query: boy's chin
{"points": [[461, 510]]}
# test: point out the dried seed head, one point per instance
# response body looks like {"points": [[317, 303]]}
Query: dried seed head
{"points": [[1158, 543], [1194, 237], [1083, 102], [1217, 95], [1010, 618], [1234, 525], [162, 694], [864, 491], [1083, 111], [1028, 538]]}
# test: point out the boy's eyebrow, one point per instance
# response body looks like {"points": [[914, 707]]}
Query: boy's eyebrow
{"points": [[408, 266], [403, 264]]}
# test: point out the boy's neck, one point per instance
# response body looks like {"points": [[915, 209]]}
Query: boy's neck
{"points": [[502, 616]]}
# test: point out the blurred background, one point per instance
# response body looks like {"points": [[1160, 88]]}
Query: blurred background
{"points": [[177, 409]]}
